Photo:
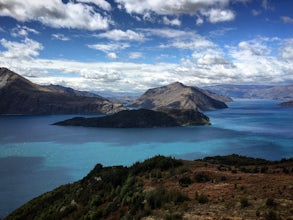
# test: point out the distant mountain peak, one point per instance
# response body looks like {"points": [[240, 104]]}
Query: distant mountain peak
{"points": [[176, 84]]}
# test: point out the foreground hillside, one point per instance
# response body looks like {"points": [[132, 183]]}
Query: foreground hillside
{"points": [[21, 96], [229, 187]]}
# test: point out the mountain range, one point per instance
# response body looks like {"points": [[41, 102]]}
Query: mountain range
{"points": [[21, 96], [282, 92]]}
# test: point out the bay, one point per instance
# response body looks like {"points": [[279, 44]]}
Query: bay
{"points": [[36, 156]]}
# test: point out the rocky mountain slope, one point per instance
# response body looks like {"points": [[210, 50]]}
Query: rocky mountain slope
{"points": [[20, 96], [227, 187], [142, 118], [284, 92], [179, 96]]}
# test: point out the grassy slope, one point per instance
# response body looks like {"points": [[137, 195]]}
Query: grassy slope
{"points": [[230, 187]]}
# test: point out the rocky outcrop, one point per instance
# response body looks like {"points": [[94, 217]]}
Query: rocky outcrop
{"points": [[142, 118], [178, 96], [21, 96]]}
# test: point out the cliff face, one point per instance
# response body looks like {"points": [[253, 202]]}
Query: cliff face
{"points": [[142, 118], [20, 96], [178, 96]]}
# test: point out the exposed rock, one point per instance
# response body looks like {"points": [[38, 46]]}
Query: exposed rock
{"points": [[178, 96], [142, 118], [21, 96]]}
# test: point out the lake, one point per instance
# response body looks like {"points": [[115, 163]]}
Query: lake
{"points": [[36, 156]]}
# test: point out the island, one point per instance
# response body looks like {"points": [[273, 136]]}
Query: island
{"points": [[142, 118]]}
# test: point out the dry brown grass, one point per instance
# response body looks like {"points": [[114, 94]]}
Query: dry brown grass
{"points": [[227, 189]]}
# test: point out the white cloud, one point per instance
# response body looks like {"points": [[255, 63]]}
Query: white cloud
{"points": [[103, 74], [266, 5], [23, 31], [61, 37], [189, 45], [286, 51], [214, 10], [55, 13], [220, 32], [174, 22], [246, 62], [246, 49], [112, 56], [187, 40], [170, 7], [109, 47], [135, 55], [199, 21], [255, 12], [287, 20], [24, 50], [100, 3], [210, 60], [119, 35], [168, 33], [219, 15]]}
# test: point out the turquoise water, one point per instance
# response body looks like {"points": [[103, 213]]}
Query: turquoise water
{"points": [[36, 156]]}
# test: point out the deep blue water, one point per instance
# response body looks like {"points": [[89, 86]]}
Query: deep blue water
{"points": [[36, 157]]}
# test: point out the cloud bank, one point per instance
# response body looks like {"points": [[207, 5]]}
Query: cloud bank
{"points": [[55, 13]]}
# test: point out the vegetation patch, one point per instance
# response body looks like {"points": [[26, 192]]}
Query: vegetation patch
{"points": [[166, 188]]}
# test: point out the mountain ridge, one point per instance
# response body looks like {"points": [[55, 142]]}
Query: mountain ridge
{"points": [[21, 96]]}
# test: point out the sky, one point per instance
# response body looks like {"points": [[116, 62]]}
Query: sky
{"points": [[132, 45]]}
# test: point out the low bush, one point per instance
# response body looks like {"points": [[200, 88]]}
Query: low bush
{"points": [[202, 177], [244, 203], [185, 181]]}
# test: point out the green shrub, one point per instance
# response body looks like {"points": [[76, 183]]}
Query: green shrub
{"points": [[223, 178], [201, 198], [271, 202], [201, 177], [185, 181], [175, 216], [271, 215], [158, 162], [244, 203], [156, 198]]}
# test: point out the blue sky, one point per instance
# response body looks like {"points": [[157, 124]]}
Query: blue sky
{"points": [[132, 45]]}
